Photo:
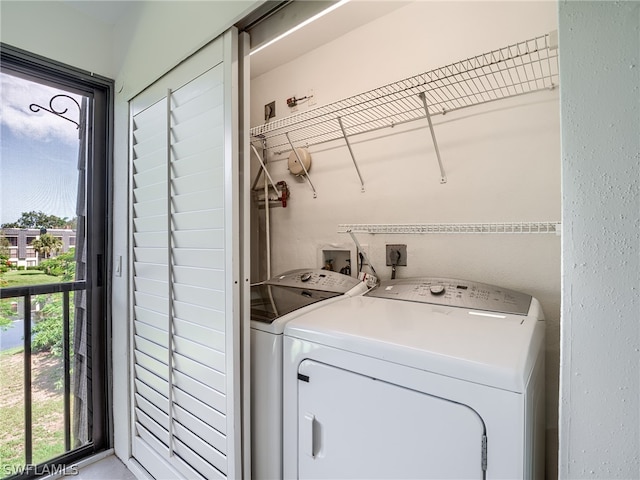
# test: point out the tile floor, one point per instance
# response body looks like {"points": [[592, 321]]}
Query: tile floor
{"points": [[108, 468]]}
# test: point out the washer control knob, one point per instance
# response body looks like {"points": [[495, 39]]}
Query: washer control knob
{"points": [[305, 277], [437, 289]]}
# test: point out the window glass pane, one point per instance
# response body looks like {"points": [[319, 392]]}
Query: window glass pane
{"points": [[42, 242], [41, 175]]}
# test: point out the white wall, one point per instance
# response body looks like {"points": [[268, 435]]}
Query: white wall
{"points": [[57, 31], [600, 368], [502, 159]]}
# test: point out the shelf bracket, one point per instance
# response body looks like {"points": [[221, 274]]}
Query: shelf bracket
{"points": [[355, 164], [443, 176], [266, 172], [306, 174]]}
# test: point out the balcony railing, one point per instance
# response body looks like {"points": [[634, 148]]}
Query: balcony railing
{"points": [[26, 293]]}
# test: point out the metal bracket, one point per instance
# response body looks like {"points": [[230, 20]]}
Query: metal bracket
{"points": [[443, 176], [346, 139], [264, 167]]}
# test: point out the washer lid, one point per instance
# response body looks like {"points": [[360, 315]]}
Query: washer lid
{"points": [[275, 301], [269, 302], [493, 349]]}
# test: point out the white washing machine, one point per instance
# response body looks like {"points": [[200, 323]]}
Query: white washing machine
{"points": [[426, 378], [274, 303]]}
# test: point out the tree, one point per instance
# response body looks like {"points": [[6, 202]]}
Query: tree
{"points": [[4, 245], [63, 266], [5, 310], [48, 332], [4, 261], [39, 219], [47, 244]]}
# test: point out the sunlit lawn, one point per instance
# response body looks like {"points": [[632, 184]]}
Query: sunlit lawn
{"points": [[47, 397], [47, 408], [19, 278]]}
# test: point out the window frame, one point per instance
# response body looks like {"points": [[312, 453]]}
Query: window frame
{"points": [[98, 235]]}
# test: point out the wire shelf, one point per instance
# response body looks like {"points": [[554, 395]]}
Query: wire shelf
{"points": [[525, 67], [422, 228]]}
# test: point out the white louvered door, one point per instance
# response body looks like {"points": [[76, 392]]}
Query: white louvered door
{"points": [[184, 280]]}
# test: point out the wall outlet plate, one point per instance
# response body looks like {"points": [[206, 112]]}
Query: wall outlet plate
{"points": [[269, 110], [392, 255]]}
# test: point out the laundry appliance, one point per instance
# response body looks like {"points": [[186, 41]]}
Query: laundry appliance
{"points": [[424, 378], [273, 303]]}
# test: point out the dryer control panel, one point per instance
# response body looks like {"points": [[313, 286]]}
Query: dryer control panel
{"points": [[315, 279], [455, 293]]}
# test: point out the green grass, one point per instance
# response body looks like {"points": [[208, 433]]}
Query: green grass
{"points": [[19, 278], [47, 409]]}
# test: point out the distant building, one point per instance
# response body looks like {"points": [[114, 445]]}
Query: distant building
{"points": [[21, 253]]}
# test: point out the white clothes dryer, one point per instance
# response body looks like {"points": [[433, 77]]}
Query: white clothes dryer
{"points": [[274, 303], [426, 378]]}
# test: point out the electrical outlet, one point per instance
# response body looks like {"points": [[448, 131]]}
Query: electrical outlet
{"points": [[392, 255]]}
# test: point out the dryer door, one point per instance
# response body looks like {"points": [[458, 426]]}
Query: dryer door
{"points": [[355, 426]]}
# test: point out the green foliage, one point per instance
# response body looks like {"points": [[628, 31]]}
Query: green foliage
{"points": [[5, 314], [4, 246], [48, 332], [5, 264], [47, 335], [39, 219], [47, 244], [61, 266]]}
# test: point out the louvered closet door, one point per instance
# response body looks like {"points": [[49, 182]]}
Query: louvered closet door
{"points": [[183, 297]]}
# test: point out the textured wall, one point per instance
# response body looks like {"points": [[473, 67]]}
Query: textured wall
{"points": [[600, 372]]}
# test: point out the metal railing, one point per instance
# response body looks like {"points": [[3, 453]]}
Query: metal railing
{"points": [[26, 293]]}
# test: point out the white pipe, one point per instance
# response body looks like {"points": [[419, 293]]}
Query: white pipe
{"points": [[266, 217]]}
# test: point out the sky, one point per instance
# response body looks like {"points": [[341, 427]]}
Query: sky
{"points": [[38, 151]]}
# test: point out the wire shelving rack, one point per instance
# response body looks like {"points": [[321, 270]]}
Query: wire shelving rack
{"points": [[452, 228], [522, 68]]}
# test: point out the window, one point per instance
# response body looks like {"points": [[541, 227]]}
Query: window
{"points": [[53, 320]]}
